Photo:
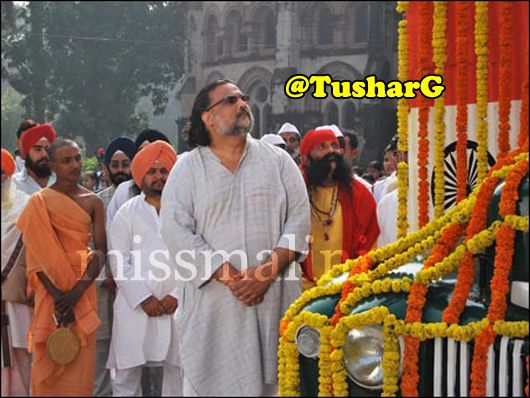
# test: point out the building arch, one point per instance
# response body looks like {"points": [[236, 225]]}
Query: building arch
{"points": [[256, 82]]}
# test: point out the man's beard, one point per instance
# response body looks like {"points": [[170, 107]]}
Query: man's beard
{"points": [[239, 127], [9, 193], [40, 168], [318, 170], [118, 178]]}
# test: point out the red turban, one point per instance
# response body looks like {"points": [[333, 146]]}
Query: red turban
{"points": [[159, 151], [8, 163], [32, 135], [315, 137]]}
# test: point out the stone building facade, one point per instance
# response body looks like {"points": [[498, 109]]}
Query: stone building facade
{"points": [[260, 45]]}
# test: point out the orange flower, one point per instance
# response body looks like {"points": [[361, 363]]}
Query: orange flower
{"points": [[363, 265], [425, 34], [462, 65], [416, 302], [505, 38], [499, 284]]}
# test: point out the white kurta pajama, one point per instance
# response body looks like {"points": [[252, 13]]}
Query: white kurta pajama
{"points": [[138, 339], [15, 380], [227, 348]]}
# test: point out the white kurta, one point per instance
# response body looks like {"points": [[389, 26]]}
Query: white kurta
{"points": [[380, 187], [121, 195], [387, 218], [19, 314], [226, 347], [136, 337], [27, 184]]}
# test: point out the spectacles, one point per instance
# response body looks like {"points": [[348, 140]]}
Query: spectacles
{"points": [[230, 99]]}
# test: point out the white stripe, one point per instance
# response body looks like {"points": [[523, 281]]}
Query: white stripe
{"points": [[451, 367], [464, 368], [438, 357], [503, 367], [401, 353], [517, 369], [490, 383]]}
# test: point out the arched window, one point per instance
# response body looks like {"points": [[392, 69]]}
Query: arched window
{"points": [[266, 120], [325, 26], [348, 115], [234, 23], [212, 27], [361, 24], [331, 115], [269, 29]]}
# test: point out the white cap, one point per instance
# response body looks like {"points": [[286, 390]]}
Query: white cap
{"points": [[332, 127], [288, 128], [273, 139]]}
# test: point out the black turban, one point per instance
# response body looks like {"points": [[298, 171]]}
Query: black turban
{"points": [[150, 136], [124, 144]]}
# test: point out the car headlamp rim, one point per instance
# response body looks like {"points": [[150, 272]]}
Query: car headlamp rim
{"points": [[371, 331], [307, 332]]}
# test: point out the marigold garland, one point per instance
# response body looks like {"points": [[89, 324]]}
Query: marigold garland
{"points": [[415, 304], [439, 44], [499, 284], [523, 114], [423, 117], [505, 49], [402, 119], [481, 51], [462, 65], [440, 232]]}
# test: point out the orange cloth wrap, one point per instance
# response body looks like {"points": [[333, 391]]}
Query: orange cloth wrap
{"points": [[8, 163], [56, 232]]}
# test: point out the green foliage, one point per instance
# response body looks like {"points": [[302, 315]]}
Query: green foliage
{"points": [[12, 112], [84, 65], [90, 164]]}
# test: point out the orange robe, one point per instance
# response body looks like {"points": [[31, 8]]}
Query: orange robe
{"points": [[56, 234]]}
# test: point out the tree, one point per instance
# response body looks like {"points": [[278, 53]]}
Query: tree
{"points": [[84, 65]]}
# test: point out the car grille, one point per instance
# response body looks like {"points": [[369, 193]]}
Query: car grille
{"points": [[451, 367]]}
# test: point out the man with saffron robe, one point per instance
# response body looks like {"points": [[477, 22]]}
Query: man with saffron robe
{"points": [[56, 227], [16, 313], [343, 211], [147, 300]]}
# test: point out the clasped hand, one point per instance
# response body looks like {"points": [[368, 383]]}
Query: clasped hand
{"points": [[154, 307], [249, 286]]}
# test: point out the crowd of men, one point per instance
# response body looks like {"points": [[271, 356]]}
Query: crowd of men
{"points": [[187, 265]]}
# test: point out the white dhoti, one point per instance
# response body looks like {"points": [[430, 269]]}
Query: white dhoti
{"points": [[128, 382]]}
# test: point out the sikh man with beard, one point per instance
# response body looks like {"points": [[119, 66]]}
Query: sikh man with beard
{"points": [[36, 173], [117, 160], [129, 189], [235, 218], [343, 211], [144, 329], [16, 313], [56, 226]]}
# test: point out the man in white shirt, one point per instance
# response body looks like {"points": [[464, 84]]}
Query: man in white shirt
{"points": [[143, 330], [292, 138]]}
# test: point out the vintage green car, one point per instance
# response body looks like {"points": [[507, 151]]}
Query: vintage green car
{"points": [[444, 364]]}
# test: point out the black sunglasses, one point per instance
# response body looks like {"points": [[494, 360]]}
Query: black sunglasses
{"points": [[230, 99]]}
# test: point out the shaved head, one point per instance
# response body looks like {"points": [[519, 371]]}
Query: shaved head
{"points": [[60, 143]]}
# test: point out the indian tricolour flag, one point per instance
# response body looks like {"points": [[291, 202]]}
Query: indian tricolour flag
{"points": [[518, 61]]}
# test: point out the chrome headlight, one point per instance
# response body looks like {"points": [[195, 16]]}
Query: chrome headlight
{"points": [[308, 341], [363, 356]]}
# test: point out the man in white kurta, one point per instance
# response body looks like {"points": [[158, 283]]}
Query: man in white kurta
{"points": [[387, 209], [244, 197], [144, 330], [16, 377]]}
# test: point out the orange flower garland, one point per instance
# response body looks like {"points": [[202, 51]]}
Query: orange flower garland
{"points": [[481, 51], [462, 66], [523, 115], [423, 117], [499, 284], [415, 304], [439, 57], [365, 264], [505, 37]]}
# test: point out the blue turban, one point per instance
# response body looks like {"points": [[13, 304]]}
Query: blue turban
{"points": [[124, 144]]}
